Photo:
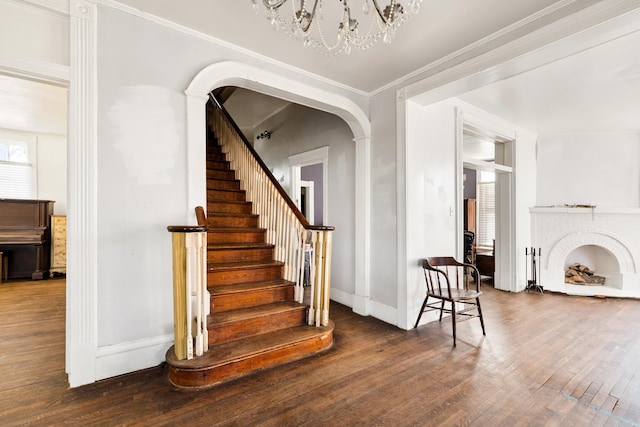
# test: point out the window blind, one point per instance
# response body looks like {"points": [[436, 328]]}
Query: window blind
{"points": [[486, 227], [15, 180]]}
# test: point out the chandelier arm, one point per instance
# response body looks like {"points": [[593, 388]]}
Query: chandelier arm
{"points": [[378, 11], [312, 15], [268, 5]]}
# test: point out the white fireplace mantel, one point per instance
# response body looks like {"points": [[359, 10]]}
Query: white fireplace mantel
{"points": [[581, 210], [559, 230]]}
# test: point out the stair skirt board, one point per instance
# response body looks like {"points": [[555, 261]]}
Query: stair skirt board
{"points": [[224, 362]]}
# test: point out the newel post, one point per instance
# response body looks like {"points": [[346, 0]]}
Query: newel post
{"points": [[191, 304]]}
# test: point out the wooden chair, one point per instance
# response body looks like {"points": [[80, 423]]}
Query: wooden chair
{"points": [[449, 281]]}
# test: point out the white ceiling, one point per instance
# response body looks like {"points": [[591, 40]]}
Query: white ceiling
{"points": [[249, 109], [30, 106], [440, 28]]}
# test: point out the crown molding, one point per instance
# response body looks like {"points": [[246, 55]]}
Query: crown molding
{"points": [[580, 30], [549, 25]]}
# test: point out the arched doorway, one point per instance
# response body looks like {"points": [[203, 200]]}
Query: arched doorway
{"points": [[230, 73]]}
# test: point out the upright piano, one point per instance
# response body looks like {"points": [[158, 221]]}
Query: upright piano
{"points": [[25, 236]]}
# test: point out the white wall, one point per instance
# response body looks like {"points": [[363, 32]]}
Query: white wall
{"points": [[598, 168], [431, 195], [52, 171], [298, 129], [384, 281]]}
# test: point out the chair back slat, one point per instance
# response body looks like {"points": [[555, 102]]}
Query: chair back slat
{"points": [[447, 273]]}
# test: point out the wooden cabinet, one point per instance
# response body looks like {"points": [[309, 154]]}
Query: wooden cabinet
{"points": [[25, 236], [58, 244], [486, 264], [470, 215]]}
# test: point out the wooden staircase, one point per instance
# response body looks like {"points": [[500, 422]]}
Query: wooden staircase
{"points": [[254, 322]]}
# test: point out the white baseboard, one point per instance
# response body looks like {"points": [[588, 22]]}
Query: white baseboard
{"points": [[342, 297], [131, 356], [375, 309]]}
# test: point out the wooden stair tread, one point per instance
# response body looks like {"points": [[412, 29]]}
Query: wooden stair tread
{"points": [[235, 230], [227, 190], [254, 312], [232, 246], [242, 265], [247, 287], [221, 354], [227, 201], [231, 215]]}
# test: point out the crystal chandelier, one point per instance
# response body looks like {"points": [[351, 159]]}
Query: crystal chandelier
{"points": [[308, 21]]}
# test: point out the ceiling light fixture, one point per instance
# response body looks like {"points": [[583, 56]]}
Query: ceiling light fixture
{"points": [[265, 135], [307, 22]]}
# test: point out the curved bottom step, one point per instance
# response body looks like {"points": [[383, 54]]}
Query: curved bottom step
{"points": [[231, 360]]}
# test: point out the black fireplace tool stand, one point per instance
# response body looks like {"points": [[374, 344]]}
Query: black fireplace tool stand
{"points": [[533, 259]]}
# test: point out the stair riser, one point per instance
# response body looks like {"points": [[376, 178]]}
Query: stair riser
{"points": [[231, 277], [220, 184], [232, 255], [224, 166], [232, 222], [216, 174], [226, 302], [214, 237], [216, 157], [207, 377], [222, 207], [249, 327], [225, 195]]}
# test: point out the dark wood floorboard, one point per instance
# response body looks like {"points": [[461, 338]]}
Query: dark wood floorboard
{"points": [[547, 360]]}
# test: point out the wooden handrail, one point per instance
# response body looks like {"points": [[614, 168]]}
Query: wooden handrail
{"points": [[267, 171]]}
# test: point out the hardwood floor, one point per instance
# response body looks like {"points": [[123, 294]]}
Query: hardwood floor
{"points": [[546, 360]]}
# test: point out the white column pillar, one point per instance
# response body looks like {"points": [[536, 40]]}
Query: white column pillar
{"points": [[361, 299], [82, 248]]}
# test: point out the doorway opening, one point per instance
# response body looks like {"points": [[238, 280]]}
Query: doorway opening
{"points": [[309, 175], [307, 199], [487, 218]]}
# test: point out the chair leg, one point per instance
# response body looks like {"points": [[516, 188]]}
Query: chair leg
{"points": [[424, 304], [441, 310], [453, 320], [480, 315]]}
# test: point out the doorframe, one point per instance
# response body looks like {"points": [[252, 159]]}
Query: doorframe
{"points": [[307, 158], [505, 266]]}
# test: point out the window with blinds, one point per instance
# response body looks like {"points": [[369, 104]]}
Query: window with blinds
{"points": [[16, 172], [486, 227]]}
